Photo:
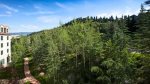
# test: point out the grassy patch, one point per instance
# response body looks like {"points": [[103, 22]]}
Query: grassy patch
{"points": [[19, 66], [5, 74]]}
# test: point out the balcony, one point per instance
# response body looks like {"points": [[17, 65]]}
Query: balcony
{"points": [[3, 30]]}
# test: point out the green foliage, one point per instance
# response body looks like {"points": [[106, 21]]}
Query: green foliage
{"points": [[27, 82], [4, 74], [143, 34], [79, 51], [96, 69], [88, 51]]}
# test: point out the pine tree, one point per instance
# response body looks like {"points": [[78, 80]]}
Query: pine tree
{"points": [[144, 31], [147, 2], [142, 9]]}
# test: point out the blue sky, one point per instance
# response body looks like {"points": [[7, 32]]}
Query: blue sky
{"points": [[36, 15]]}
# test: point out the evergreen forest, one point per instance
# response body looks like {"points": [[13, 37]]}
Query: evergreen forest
{"points": [[90, 50]]}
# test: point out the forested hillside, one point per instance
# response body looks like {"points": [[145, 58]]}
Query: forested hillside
{"points": [[90, 50]]}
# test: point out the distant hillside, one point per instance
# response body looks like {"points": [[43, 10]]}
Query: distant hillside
{"points": [[21, 33]]}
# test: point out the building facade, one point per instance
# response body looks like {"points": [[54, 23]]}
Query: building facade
{"points": [[5, 46]]}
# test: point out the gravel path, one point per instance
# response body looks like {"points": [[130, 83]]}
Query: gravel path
{"points": [[27, 73]]}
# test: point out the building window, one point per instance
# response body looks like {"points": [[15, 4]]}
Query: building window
{"points": [[7, 44], [1, 45], [3, 61], [1, 29], [4, 30], [7, 50], [0, 63], [1, 52], [7, 37], [8, 59], [1, 37]]}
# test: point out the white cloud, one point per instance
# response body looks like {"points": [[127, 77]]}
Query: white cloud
{"points": [[54, 19], [147, 7], [119, 13], [48, 19], [3, 15], [61, 5], [36, 7], [24, 28], [8, 12], [39, 10], [66, 7], [39, 13], [8, 8], [29, 26]]}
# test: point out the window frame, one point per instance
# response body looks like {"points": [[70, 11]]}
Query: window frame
{"points": [[2, 52], [2, 38], [2, 45]]}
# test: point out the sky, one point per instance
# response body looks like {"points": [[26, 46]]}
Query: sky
{"points": [[37, 15]]}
